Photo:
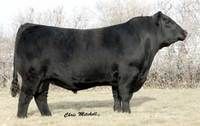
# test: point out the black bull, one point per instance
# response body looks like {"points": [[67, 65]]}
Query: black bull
{"points": [[119, 56]]}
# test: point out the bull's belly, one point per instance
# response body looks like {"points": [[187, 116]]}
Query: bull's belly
{"points": [[85, 71], [80, 78], [75, 83], [92, 70], [91, 76]]}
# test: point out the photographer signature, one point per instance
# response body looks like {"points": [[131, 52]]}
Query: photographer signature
{"points": [[70, 114]]}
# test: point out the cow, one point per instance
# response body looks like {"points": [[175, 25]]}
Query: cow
{"points": [[75, 59]]}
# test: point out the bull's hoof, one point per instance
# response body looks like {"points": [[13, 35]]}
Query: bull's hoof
{"points": [[126, 111], [21, 116], [117, 108], [46, 114], [126, 108]]}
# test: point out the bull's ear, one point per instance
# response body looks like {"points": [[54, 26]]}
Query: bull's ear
{"points": [[157, 17]]}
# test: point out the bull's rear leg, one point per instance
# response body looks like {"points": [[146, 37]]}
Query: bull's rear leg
{"points": [[117, 99], [41, 99], [24, 100], [27, 91]]}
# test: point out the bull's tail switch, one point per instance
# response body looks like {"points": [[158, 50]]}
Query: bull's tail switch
{"points": [[15, 88]]}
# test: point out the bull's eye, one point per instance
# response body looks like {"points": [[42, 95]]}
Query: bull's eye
{"points": [[168, 22], [167, 25]]}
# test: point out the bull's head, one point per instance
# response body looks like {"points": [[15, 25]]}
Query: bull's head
{"points": [[169, 31]]}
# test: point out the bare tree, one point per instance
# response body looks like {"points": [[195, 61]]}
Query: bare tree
{"points": [[118, 11], [172, 66], [80, 19]]}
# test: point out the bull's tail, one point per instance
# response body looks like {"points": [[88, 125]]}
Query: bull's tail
{"points": [[15, 88]]}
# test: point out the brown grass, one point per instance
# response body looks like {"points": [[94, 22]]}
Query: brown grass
{"points": [[150, 107]]}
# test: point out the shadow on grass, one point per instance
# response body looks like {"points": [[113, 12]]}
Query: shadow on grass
{"points": [[95, 104], [77, 105]]}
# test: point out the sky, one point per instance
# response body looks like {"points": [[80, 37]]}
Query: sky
{"points": [[9, 9]]}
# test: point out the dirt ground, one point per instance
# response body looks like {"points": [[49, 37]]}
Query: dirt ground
{"points": [[150, 107]]}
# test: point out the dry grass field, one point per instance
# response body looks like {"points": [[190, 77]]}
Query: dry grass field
{"points": [[150, 107]]}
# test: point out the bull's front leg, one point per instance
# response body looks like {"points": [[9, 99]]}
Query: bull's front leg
{"points": [[126, 88]]}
